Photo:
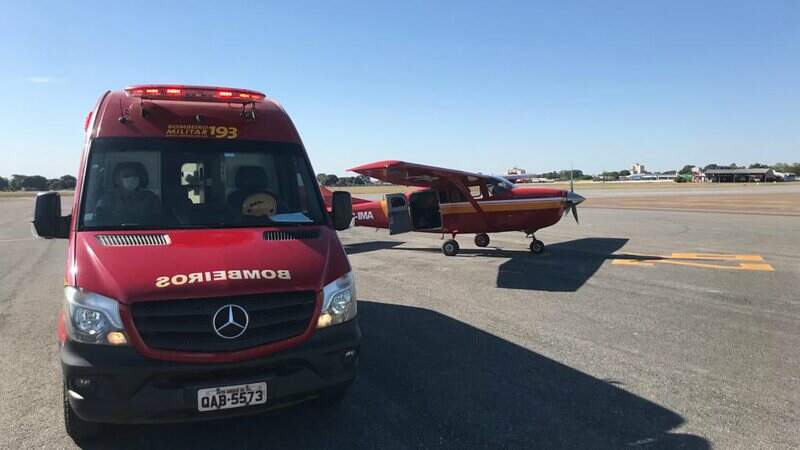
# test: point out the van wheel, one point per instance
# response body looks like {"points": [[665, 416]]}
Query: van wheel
{"points": [[537, 247], [450, 247], [482, 240], [78, 429]]}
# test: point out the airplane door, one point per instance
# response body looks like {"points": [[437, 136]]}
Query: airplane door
{"points": [[399, 217]]}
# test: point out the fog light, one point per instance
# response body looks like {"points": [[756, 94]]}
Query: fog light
{"points": [[83, 386], [350, 358], [82, 382], [117, 338]]}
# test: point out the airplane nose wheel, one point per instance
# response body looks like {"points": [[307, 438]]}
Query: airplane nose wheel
{"points": [[537, 246], [482, 240], [450, 247]]}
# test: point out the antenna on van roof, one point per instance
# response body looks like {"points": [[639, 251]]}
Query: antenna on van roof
{"points": [[124, 113], [142, 110]]}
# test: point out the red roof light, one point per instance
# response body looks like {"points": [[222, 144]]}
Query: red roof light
{"points": [[193, 93]]}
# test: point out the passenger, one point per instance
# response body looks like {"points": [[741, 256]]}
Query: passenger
{"points": [[249, 180], [128, 201]]}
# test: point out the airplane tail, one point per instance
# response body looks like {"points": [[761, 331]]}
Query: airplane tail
{"points": [[327, 195]]}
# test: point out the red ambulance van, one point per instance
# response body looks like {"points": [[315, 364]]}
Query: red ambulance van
{"points": [[204, 276]]}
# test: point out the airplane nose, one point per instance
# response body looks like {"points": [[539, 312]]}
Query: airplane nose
{"points": [[576, 199]]}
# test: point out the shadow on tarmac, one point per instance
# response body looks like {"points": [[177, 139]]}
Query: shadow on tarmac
{"points": [[370, 246], [429, 381], [563, 267]]}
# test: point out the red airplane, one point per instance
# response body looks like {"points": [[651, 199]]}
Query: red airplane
{"points": [[455, 202]]}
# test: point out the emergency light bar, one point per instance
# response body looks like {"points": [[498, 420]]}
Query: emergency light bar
{"points": [[197, 93]]}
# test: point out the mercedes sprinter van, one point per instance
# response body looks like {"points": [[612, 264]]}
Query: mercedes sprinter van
{"points": [[204, 277]]}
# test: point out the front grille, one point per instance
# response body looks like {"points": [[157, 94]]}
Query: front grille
{"points": [[187, 325]]}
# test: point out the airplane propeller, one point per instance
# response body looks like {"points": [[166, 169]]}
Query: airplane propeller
{"points": [[573, 199]]}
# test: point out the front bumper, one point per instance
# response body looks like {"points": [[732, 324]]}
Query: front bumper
{"points": [[118, 385]]}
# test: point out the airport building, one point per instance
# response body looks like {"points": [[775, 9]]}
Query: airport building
{"points": [[740, 175], [649, 177], [698, 176]]}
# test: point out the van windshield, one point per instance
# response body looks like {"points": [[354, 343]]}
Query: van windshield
{"points": [[171, 183]]}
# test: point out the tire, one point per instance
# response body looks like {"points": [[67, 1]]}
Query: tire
{"points": [[537, 247], [450, 247], [78, 429], [482, 240]]}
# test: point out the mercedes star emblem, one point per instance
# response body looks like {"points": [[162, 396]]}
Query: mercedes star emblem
{"points": [[230, 321]]}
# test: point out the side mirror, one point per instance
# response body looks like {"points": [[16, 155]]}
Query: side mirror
{"points": [[341, 210], [47, 219]]}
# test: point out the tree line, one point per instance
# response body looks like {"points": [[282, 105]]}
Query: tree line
{"points": [[686, 170], [325, 179], [37, 183], [575, 174]]}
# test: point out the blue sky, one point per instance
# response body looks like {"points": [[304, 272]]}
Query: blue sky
{"points": [[483, 86]]}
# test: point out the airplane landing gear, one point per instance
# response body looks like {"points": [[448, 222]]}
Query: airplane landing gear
{"points": [[450, 247], [482, 240], [536, 246]]}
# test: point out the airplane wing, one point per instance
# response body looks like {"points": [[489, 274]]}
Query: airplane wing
{"points": [[411, 174]]}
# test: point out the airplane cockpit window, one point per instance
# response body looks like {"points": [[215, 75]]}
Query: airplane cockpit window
{"points": [[499, 186], [451, 195], [397, 202]]}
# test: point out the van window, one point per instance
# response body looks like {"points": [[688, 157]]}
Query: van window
{"points": [[170, 183]]}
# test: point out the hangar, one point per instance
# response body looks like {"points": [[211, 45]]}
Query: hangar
{"points": [[740, 175]]}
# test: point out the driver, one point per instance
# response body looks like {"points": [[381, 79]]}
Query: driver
{"points": [[128, 201]]}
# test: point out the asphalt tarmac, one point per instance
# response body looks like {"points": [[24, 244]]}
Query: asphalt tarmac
{"points": [[641, 329]]}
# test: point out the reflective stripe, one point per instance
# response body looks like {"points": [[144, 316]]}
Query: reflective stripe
{"points": [[530, 204]]}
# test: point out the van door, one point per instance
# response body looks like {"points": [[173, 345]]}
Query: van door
{"points": [[399, 217]]}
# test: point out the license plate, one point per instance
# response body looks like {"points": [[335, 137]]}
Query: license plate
{"points": [[227, 397]]}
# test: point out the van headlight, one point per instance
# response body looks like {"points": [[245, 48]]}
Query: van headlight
{"points": [[339, 301], [92, 318]]}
